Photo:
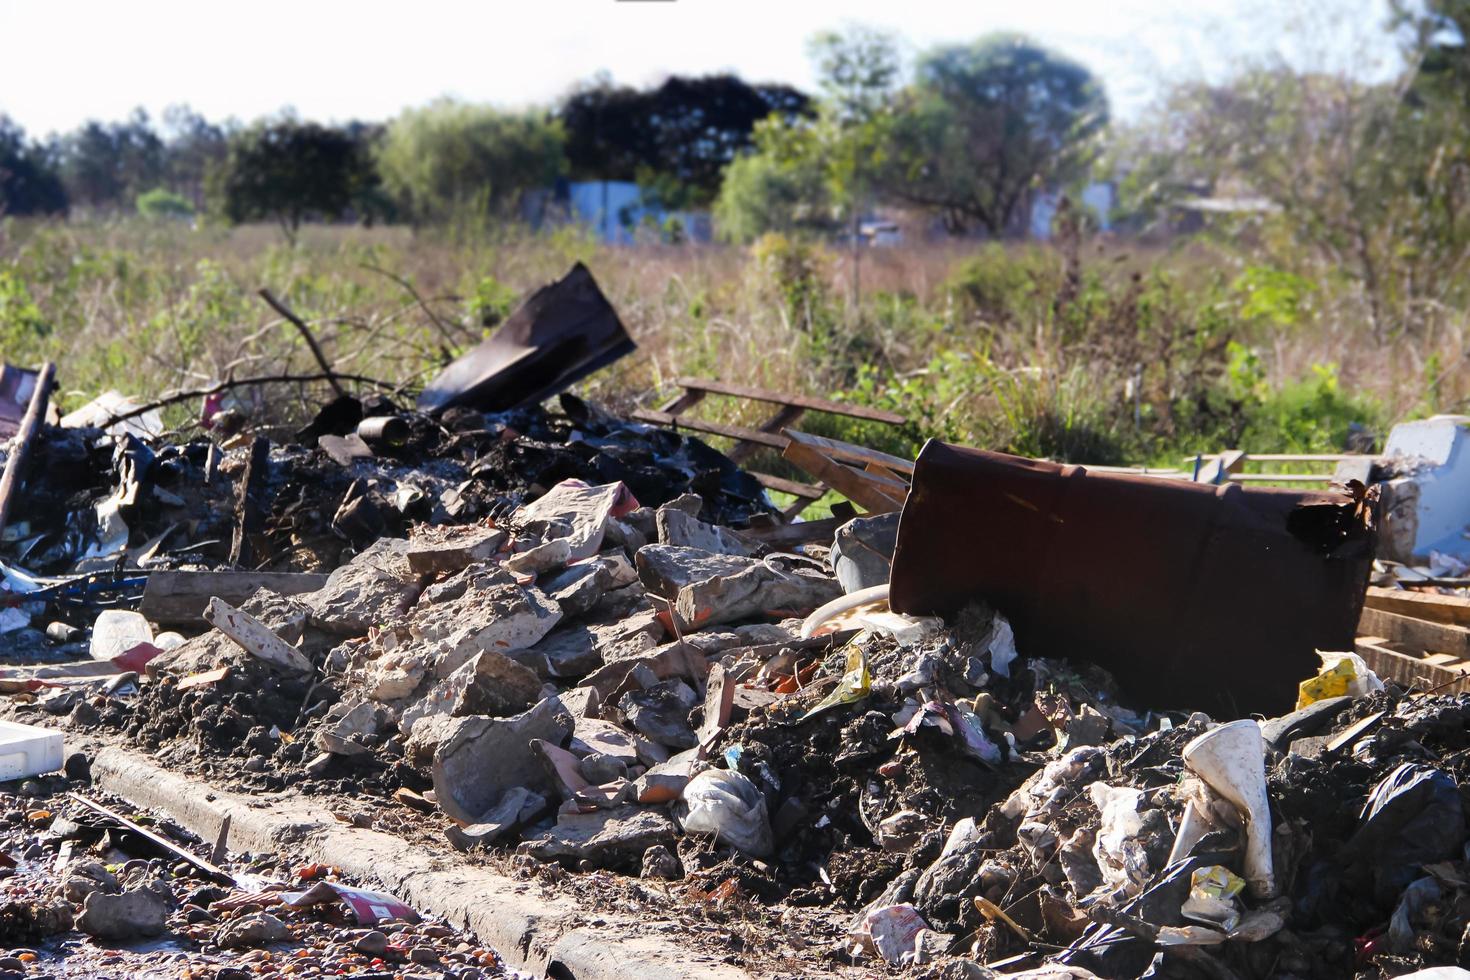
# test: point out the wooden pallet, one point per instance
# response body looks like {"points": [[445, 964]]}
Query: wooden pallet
{"points": [[1420, 639], [773, 433], [1229, 466]]}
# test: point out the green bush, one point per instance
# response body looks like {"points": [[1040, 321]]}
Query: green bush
{"points": [[492, 301], [159, 204]]}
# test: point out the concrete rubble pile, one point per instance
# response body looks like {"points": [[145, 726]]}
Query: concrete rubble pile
{"points": [[601, 685], [561, 649]]}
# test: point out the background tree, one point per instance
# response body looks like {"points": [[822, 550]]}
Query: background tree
{"points": [[821, 167], [106, 165], [452, 158], [683, 131], [986, 125], [774, 189], [858, 71], [29, 183], [287, 170], [193, 148]]}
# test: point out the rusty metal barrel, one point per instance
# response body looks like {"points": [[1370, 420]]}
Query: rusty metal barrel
{"points": [[1193, 596]]}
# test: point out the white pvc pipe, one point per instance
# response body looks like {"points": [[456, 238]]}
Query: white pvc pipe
{"points": [[841, 605]]}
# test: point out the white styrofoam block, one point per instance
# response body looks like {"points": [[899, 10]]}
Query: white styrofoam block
{"points": [[26, 750], [1434, 454]]}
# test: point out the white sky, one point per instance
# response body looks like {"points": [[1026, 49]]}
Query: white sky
{"points": [[64, 61]]}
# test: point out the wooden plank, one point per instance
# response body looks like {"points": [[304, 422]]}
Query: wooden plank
{"points": [[786, 415], [250, 545], [861, 488], [801, 401], [738, 432], [1390, 664], [848, 452], [1417, 636], [806, 491], [176, 597], [1421, 605], [682, 403]]}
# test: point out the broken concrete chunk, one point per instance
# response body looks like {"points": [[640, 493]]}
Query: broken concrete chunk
{"points": [[862, 551], [395, 681], [595, 737], [662, 713], [665, 569], [489, 684], [502, 618], [719, 702], [480, 575], [671, 660], [660, 862], [678, 528], [516, 808], [598, 768], [352, 731], [689, 504], [562, 769], [603, 838], [757, 590], [137, 913], [252, 932], [541, 558], [254, 637], [375, 587], [581, 702], [665, 781], [579, 589], [438, 549], [621, 535], [576, 650], [645, 522], [481, 758], [286, 616], [569, 652]]}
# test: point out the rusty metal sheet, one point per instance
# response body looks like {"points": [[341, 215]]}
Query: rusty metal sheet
{"points": [[564, 332], [1193, 596]]}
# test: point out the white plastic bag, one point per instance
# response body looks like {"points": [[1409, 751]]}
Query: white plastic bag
{"points": [[724, 803]]}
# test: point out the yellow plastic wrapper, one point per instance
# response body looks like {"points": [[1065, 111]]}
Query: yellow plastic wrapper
{"points": [[1331, 682], [1215, 881], [854, 686], [1211, 900], [1341, 673]]}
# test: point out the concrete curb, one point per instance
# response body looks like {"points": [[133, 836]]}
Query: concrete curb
{"points": [[554, 937]]}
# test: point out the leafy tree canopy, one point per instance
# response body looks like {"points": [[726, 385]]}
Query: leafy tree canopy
{"points": [[452, 158], [686, 129]]}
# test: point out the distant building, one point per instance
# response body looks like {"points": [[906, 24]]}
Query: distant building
{"points": [[1099, 198], [617, 212]]}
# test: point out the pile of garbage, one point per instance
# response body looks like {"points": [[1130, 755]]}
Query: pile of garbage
{"points": [[1046, 722], [605, 685], [104, 507]]}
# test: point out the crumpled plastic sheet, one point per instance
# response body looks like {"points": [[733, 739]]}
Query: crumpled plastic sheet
{"points": [[1120, 854], [726, 804]]}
